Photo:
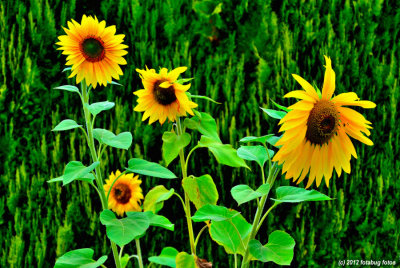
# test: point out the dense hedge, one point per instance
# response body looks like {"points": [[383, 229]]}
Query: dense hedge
{"points": [[242, 56]]}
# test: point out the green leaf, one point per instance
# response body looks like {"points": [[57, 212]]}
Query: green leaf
{"points": [[184, 260], [79, 258], [262, 139], [184, 80], [225, 234], [243, 193], [66, 124], [172, 144], [66, 69], [124, 260], [279, 248], [167, 257], [123, 231], [121, 141], [154, 199], [290, 194], [273, 140], [75, 169], [88, 178], [115, 83], [68, 88], [274, 114], [154, 219], [97, 107], [205, 124], [201, 97], [256, 153], [214, 213], [224, 153], [143, 167], [201, 190], [280, 106]]}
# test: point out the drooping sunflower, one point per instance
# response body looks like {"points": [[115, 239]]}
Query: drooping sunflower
{"points": [[93, 50], [162, 97], [317, 131], [125, 194]]}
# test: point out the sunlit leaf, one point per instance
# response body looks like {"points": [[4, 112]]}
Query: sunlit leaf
{"points": [[201, 190], [143, 167], [243, 193], [172, 144], [66, 124], [79, 258], [75, 169], [290, 194], [214, 213], [154, 199], [167, 257]]}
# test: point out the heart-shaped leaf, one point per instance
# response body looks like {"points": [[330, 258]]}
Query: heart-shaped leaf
{"points": [[279, 248], [172, 144], [154, 219], [66, 124], [201, 190], [262, 139], [88, 178], [273, 140], [225, 234], [224, 153], [121, 141], [184, 260], [167, 257], [290, 194], [123, 231], [274, 114], [256, 153], [79, 258], [154, 199], [75, 169], [243, 193], [68, 88], [214, 213], [143, 167], [205, 124], [96, 108]]}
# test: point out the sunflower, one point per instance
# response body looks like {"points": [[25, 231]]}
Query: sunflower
{"points": [[317, 131], [125, 194], [93, 50], [162, 97]]}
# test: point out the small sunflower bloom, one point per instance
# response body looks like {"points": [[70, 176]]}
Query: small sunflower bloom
{"points": [[162, 97], [317, 131], [126, 194], [93, 50]]}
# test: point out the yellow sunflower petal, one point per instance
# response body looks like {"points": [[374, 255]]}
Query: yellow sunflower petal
{"points": [[300, 94], [306, 86], [329, 80]]}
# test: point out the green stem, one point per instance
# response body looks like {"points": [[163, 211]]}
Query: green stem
{"points": [[99, 180], [139, 253], [187, 201], [189, 154], [198, 235], [265, 215], [183, 203], [235, 255]]}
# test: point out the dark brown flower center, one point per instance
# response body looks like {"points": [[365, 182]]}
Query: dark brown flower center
{"points": [[164, 96], [322, 122], [93, 49], [122, 193]]}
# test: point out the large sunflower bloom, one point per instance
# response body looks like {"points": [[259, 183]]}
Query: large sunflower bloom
{"points": [[93, 50], [317, 129], [125, 194], [162, 97]]}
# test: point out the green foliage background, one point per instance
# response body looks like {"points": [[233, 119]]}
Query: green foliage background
{"points": [[241, 55]]}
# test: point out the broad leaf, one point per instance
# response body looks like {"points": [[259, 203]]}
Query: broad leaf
{"points": [[121, 141], [262, 139], [243, 193], [224, 153], [205, 124], [167, 257], [88, 178], [201, 190], [290, 194], [154, 199], [225, 234], [143, 167], [154, 219], [279, 248], [68, 88], [75, 169], [214, 213], [184, 260], [96, 108], [124, 260], [123, 231], [273, 140], [66, 124], [79, 258], [280, 106], [172, 144], [256, 153], [274, 114]]}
